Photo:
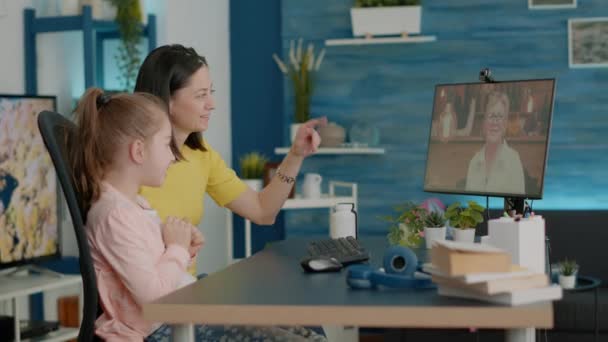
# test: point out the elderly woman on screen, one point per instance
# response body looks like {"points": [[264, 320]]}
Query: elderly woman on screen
{"points": [[496, 168]]}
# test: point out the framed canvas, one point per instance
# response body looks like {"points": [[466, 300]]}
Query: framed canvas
{"points": [[270, 169], [551, 4], [588, 42], [29, 206]]}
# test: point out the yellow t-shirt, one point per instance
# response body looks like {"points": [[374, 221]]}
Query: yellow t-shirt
{"points": [[187, 181]]}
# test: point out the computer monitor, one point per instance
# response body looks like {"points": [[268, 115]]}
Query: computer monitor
{"points": [[29, 210], [490, 139]]}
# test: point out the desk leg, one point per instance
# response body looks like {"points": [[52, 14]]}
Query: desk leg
{"points": [[183, 333], [247, 238], [521, 335]]}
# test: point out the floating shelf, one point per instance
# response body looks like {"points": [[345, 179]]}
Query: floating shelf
{"points": [[338, 150], [382, 40]]}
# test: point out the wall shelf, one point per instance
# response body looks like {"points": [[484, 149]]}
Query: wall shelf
{"points": [[94, 34], [20, 283], [380, 40], [338, 150]]}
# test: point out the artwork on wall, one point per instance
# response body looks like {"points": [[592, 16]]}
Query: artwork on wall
{"points": [[551, 4], [588, 42]]}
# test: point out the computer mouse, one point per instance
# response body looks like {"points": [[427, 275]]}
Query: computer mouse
{"points": [[321, 264]]}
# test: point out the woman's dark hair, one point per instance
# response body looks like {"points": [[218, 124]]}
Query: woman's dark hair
{"points": [[167, 69]]}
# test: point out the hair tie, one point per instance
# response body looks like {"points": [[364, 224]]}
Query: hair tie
{"points": [[103, 99]]}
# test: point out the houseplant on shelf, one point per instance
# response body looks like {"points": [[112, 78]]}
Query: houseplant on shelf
{"points": [[386, 17], [128, 58], [568, 270], [301, 68], [407, 227], [252, 169], [434, 228], [464, 220]]}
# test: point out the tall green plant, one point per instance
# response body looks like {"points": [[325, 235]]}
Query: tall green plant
{"points": [[301, 67], [461, 217], [128, 57]]}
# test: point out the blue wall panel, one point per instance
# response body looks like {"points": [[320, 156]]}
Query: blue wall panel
{"points": [[256, 94], [391, 86]]}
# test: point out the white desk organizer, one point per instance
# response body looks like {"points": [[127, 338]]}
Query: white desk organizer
{"points": [[523, 239]]}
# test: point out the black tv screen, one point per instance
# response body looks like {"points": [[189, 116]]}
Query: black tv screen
{"points": [[29, 212]]}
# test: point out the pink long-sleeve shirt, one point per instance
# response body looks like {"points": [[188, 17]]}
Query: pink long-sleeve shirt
{"points": [[132, 264]]}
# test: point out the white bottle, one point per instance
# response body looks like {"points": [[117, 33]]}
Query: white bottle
{"points": [[343, 221]]}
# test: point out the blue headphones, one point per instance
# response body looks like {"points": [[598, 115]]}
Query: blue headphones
{"points": [[400, 264]]}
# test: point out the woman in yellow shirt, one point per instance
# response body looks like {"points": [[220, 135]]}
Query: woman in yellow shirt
{"points": [[180, 77]]}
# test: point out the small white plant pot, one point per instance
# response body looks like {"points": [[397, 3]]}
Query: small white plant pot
{"points": [[464, 235], [292, 132], [390, 20], [433, 234], [567, 282], [255, 184]]}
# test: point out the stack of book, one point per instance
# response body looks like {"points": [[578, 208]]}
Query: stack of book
{"points": [[484, 272]]}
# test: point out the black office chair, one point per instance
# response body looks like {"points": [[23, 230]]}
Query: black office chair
{"points": [[55, 130]]}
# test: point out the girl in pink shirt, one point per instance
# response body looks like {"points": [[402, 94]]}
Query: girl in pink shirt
{"points": [[136, 258], [125, 142]]}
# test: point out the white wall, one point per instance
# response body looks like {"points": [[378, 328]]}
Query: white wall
{"points": [[204, 25]]}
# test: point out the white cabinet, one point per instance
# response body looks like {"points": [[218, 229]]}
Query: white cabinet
{"points": [[326, 201], [16, 286]]}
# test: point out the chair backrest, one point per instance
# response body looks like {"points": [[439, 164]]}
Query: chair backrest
{"points": [[55, 130]]}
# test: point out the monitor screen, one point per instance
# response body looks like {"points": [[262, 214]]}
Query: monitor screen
{"points": [[29, 217], [490, 139]]}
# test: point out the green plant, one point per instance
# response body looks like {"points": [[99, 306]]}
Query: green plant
{"points": [[386, 3], [568, 267], [434, 219], [411, 217], [301, 69], [128, 58], [462, 218], [252, 165]]}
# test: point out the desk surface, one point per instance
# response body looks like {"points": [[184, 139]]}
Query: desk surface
{"points": [[270, 288]]}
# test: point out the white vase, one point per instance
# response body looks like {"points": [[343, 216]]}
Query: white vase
{"points": [[433, 234], [386, 20], [567, 282], [464, 235], [255, 184], [293, 129]]}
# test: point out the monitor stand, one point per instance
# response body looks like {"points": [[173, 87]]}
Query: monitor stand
{"points": [[29, 269]]}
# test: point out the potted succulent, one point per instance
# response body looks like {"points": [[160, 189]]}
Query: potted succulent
{"points": [[252, 169], [385, 17], [407, 227], [464, 220], [301, 68], [434, 228], [567, 274]]}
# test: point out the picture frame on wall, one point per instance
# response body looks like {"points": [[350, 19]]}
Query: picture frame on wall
{"points": [[270, 170], [588, 42], [551, 4]]}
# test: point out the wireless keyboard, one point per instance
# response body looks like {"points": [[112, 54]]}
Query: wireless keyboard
{"points": [[346, 250]]}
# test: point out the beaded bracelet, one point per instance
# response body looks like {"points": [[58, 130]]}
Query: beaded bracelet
{"points": [[284, 178]]}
